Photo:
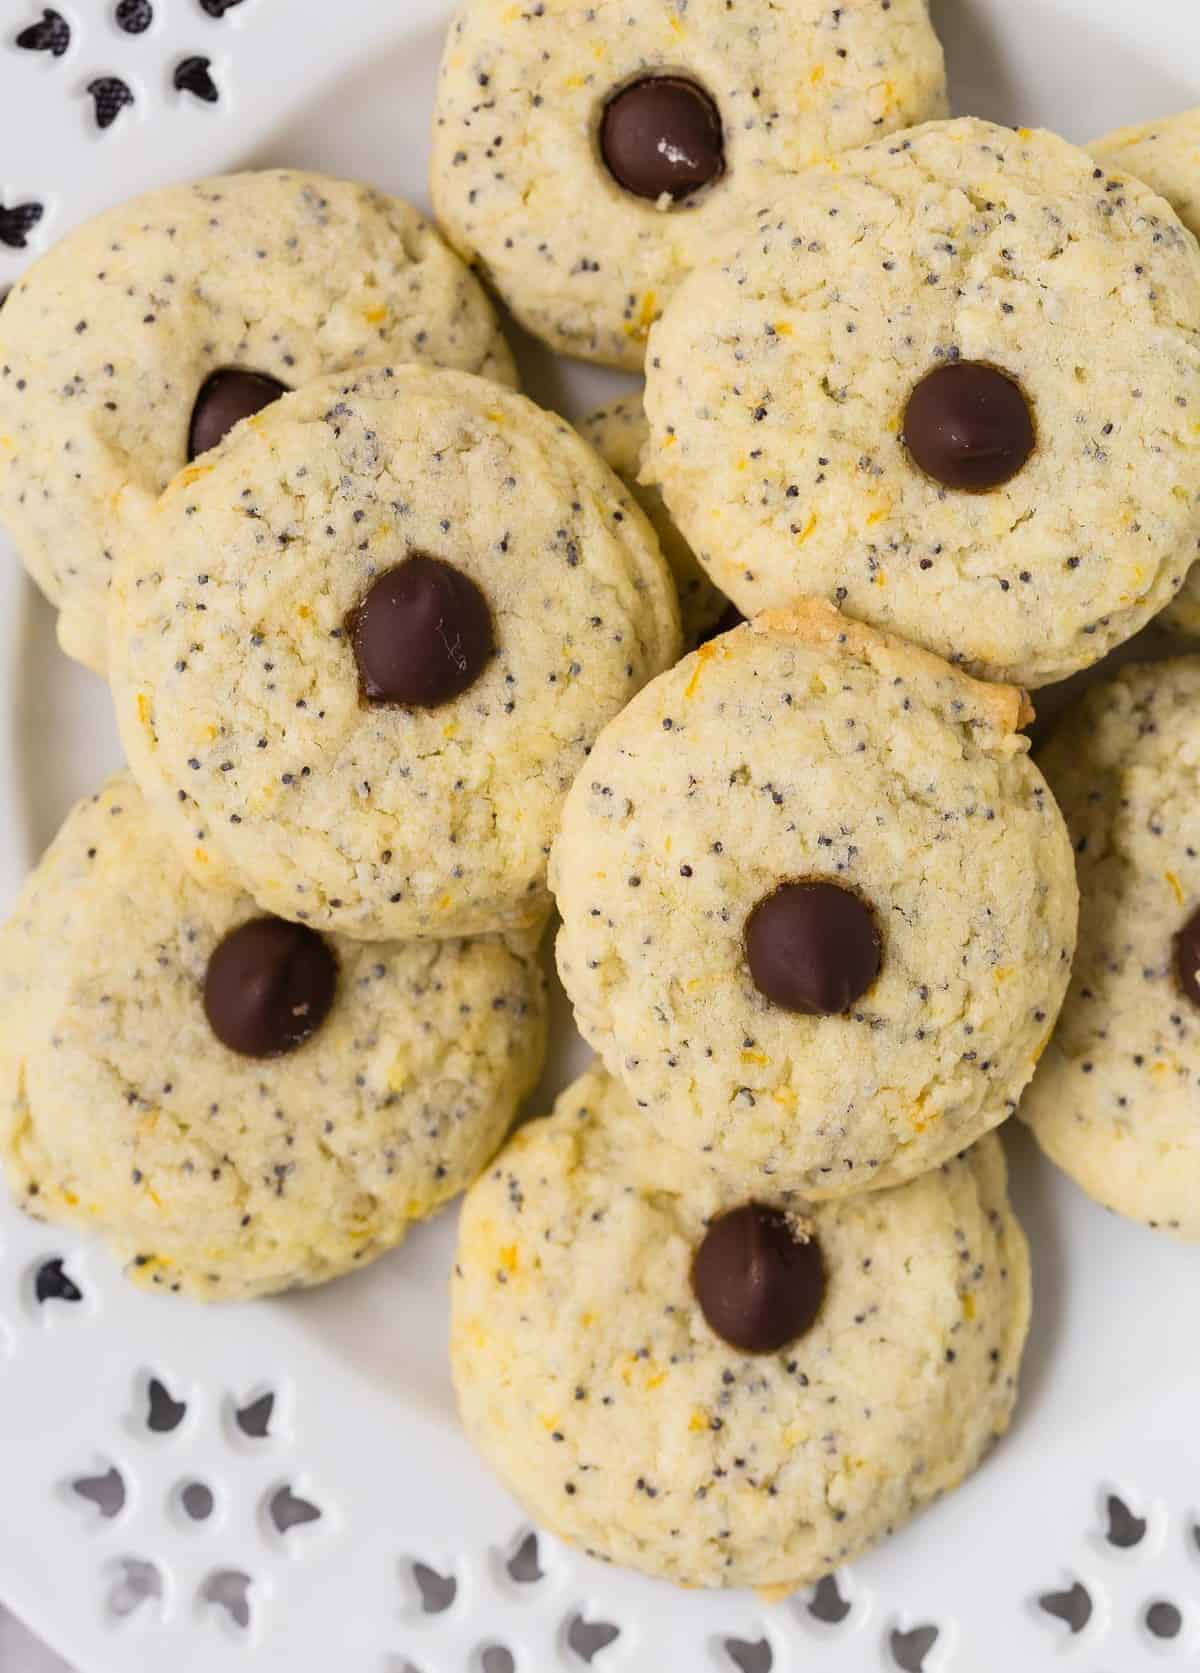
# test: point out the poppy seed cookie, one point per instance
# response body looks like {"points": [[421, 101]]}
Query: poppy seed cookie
{"points": [[145, 333], [1166, 156], [619, 433], [818, 907], [1114, 1101], [238, 1105], [596, 1289], [952, 383], [584, 157], [362, 648]]}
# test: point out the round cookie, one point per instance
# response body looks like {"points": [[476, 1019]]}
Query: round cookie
{"points": [[844, 402], [218, 1174], [261, 658], [619, 433], [109, 340], [1115, 1098], [698, 107], [589, 1377], [1166, 155], [818, 906]]}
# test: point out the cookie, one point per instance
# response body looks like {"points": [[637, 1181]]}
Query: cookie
{"points": [[818, 906], [619, 433], [585, 157], [363, 647], [136, 341], [235, 1104], [1115, 1097], [1166, 155], [722, 1391], [950, 382]]}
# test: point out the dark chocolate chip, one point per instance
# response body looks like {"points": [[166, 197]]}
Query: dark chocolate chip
{"points": [[759, 1285], [51, 33], [968, 426], [812, 947], [134, 16], [268, 987], [422, 635], [110, 95], [18, 222], [226, 397], [192, 76], [1187, 958], [662, 134], [218, 8]]}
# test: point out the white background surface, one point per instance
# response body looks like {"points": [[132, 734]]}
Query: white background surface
{"points": [[1112, 1383]]}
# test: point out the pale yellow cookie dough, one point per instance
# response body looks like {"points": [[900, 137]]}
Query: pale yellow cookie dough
{"points": [[1166, 155], [779, 376], [590, 1381], [235, 678], [619, 433], [212, 1174], [106, 340], [517, 176], [1116, 1099], [805, 746]]}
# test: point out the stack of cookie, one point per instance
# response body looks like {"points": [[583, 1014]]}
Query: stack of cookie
{"points": [[924, 412], [273, 995], [394, 659], [747, 1301]]}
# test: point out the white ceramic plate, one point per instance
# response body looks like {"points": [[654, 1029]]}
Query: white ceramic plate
{"points": [[408, 1565]]}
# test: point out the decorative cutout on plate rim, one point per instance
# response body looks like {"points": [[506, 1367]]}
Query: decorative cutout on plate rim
{"points": [[193, 75], [110, 96], [133, 16], [1086, 1611], [910, 1649], [164, 1413], [197, 1500], [135, 1584], [50, 36], [104, 1490], [52, 1282], [17, 221], [287, 1513], [50, 33]]}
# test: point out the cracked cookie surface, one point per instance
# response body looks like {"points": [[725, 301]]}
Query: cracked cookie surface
{"points": [[518, 174], [107, 340], [589, 1379], [780, 378], [215, 1174], [1114, 1101], [804, 746], [234, 651]]}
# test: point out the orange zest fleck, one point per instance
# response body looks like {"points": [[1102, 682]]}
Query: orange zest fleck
{"points": [[703, 655]]}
